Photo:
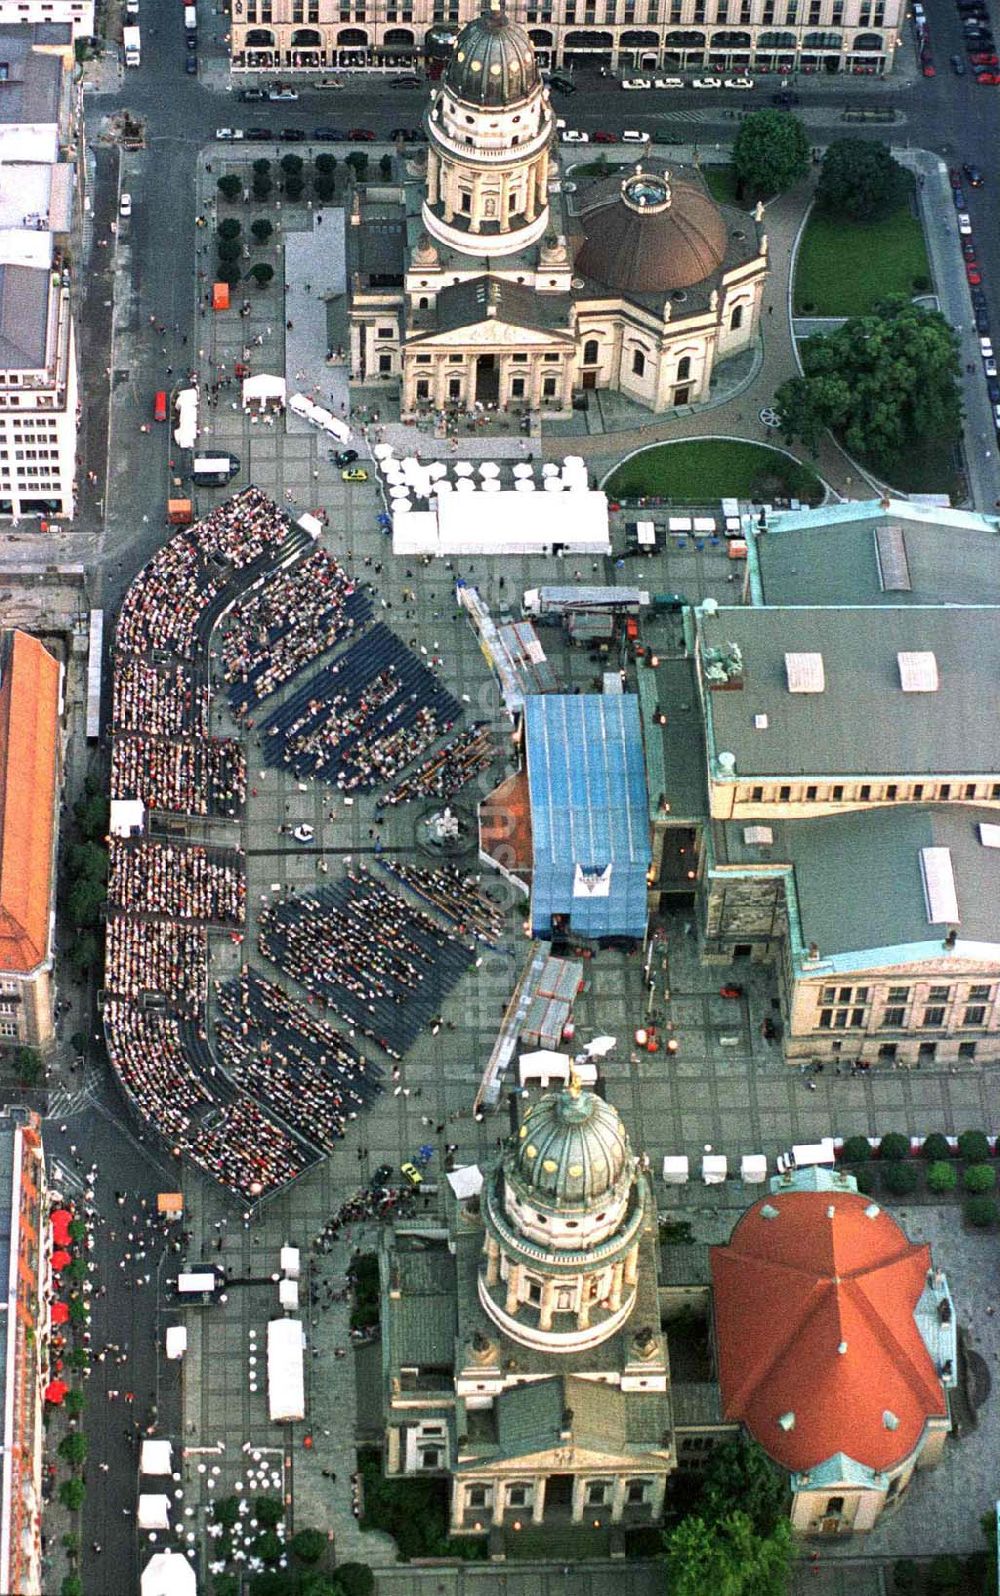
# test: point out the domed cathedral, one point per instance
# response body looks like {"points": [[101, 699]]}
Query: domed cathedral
{"points": [[521, 287], [522, 1347]]}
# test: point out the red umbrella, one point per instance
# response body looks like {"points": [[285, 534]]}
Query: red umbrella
{"points": [[55, 1391], [60, 1219], [60, 1312], [61, 1258]]}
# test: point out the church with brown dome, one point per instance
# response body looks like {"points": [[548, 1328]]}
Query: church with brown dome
{"points": [[519, 283]]}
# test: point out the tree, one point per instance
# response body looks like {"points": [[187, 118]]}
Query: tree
{"points": [[230, 186], [72, 1585], [358, 162], [85, 954], [727, 1558], [894, 1146], [901, 1178], [309, 1545], [261, 167], [856, 1150], [268, 1511], [268, 1546], [942, 1177], [905, 1576], [226, 1511], [72, 1493], [262, 274], [261, 230], [73, 1448], [328, 165], [84, 902], [385, 166], [979, 1178], [882, 384], [982, 1212], [228, 271], [87, 861], [71, 1542], [945, 1573], [740, 1471], [28, 1066], [860, 180], [229, 249], [355, 1579], [293, 187], [74, 1403], [292, 165], [325, 186], [771, 153], [936, 1148], [262, 186], [973, 1147], [231, 227]]}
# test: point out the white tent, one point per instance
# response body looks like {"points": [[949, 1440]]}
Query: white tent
{"points": [[753, 1169], [169, 1574], [128, 817], [288, 1295], [676, 1168], [543, 1067], [467, 1181], [286, 1398], [508, 523], [309, 523], [290, 1262], [299, 405], [714, 1169], [154, 1512], [177, 1341], [263, 390], [155, 1458]]}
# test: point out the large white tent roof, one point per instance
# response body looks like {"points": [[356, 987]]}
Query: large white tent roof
{"points": [[168, 1574]]}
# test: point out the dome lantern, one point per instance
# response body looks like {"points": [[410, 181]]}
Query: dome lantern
{"points": [[493, 63]]}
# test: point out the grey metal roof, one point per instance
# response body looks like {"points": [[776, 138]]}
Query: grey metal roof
{"points": [[33, 86], [469, 303], [862, 723], [836, 563], [858, 876], [24, 315], [422, 1319], [493, 62], [531, 1417]]}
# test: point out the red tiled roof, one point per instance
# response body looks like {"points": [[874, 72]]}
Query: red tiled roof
{"points": [[789, 1292], [29, 736]]}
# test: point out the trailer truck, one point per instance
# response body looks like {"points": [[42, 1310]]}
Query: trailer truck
{"points": [[133, 46]]}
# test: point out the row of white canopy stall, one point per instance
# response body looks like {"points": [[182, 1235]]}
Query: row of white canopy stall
{"points": [[714, 1169], [299, 405], [186, 430]]}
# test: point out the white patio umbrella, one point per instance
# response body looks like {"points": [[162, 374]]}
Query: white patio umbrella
{"points": [[437, 469], [599, 1046], [399, 490], [491, 485], [553, 485], [401, 507], [463, 468], [525, 485], [442, 487], [575, 460], [550, 469], [523, 469], [383, 451], [465, 486], [489, 468]]}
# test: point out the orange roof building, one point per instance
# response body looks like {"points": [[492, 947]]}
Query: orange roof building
{"points": [[29, 774], [836, 1341]]}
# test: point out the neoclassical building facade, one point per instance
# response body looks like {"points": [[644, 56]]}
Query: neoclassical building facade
{"points": [[514, 285], [523, 1351]]}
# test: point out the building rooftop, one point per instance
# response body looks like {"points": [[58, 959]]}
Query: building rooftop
{"points": [[875, 554], [870, 879], [24, 317], [29, 754], [565, 1409], [571, 1151], [841, 692], [819, 1348], [493, 62], [650, 234], [469, 303]]}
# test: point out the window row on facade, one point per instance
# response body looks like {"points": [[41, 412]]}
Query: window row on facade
{"points": [[865, 792]]}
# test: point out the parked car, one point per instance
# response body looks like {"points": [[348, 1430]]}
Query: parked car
{"points": [[982, 321], [974, 175], [125, 206], [191, 40], [964, 224], [573, 135], [928, 69], [257, 135], [292, 135], [706, 83], [637, 83], [345, 457], [362, 135], [969, 250], [973, 273], [958, 195], [160, 405], [955, 177], [991, 79], [191, 65], [408, 135], [562, 85], [602, 136], [632, 135], [252, 94], [668, 83], [230, 133], [412, 1174], [406, 80], [329, 135], [281, 92], [354, 474], [990, 366], [739, 83], [985, 58]]}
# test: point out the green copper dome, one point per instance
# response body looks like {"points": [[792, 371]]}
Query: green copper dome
{"points": [[571, 1150], [493, 62]]}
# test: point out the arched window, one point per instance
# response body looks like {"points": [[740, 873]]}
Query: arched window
{"points": [[684, 368], [591, 352], [259, 36], [638, 39], [868, 41], [730, 41], [776, 41], [588, 41], [638, 363], [685, 39], [823, 41], [736, 319], [398, 36], [423, 302], [306, 36], [355, 36], [540, 36]]}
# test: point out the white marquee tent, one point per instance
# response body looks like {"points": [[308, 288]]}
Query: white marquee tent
{"points": [[169, 1574]]}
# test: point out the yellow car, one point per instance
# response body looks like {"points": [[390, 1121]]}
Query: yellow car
{"points": [[354, 474], [412, 1174]]}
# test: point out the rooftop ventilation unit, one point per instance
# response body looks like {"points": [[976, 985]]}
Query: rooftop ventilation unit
{"points": [[805, 673], [918, 673], [940, 895]]}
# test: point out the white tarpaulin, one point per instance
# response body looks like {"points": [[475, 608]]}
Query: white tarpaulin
{"points": [[290, 1261], [753, 1169], [299, 405], [507, 523], [155, 1458], [543, 1067], [466, 1181], [714, 1169], [263, 388], [310, 524], [128, 817], [177, 1341], [168, 1574], [288, 1295], [154, 1512], [286, 1398], [675, 1169]]}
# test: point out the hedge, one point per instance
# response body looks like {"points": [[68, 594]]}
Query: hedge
{"points": [[936, 1148], [979, 1178], [941, 1177], [973, 1147], [856, 1150], [894, 1146]]}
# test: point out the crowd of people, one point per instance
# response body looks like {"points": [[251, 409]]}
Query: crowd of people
{"points": [[159, 701], [157, 959], [296, 616], [455, 895], [181, 881], [447, 771], [364, 718], [286, 1056], [190, 776], [380, 964]]}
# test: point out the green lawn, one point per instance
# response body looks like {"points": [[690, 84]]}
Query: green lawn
{"points": [[713, 468], [844, 267], [929, 469], [721, 184]]}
